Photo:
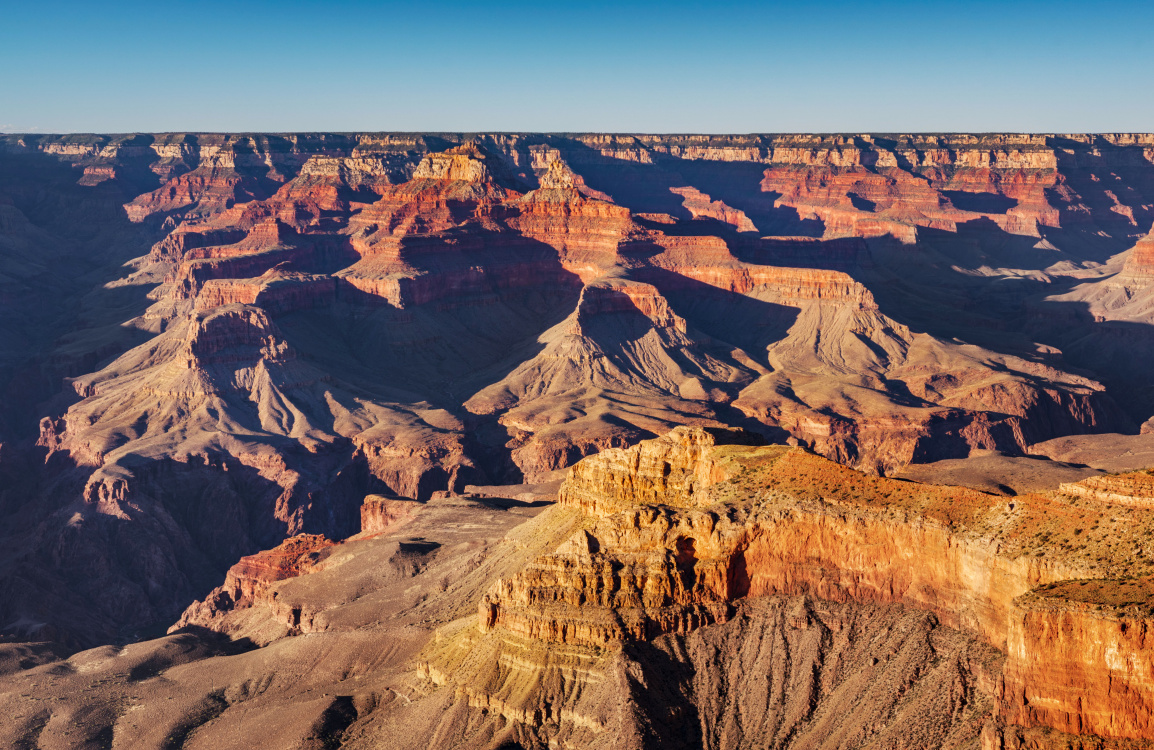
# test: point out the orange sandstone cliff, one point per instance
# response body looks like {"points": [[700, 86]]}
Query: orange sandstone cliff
{"points": [[683, 533]]}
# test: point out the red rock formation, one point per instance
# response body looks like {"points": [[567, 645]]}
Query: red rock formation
{"points": [[680, 529], [380, 514], [1140, 260], [276, 291], [699, 204], [1081, 659], [248, 582], [214, 189]]}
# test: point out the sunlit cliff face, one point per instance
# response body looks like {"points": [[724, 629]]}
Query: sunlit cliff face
{"points": [[681, 534]]}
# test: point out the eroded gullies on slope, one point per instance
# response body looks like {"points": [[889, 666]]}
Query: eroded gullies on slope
{"points": [[447, 310], [697, 589]]}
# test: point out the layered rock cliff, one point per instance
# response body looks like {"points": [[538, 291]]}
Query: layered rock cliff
{"points": [[684, 533]]}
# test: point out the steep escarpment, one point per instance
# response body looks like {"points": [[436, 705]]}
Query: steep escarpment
{"points": [[1080, 659], [683, 535]]}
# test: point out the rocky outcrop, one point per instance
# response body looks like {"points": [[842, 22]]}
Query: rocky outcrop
{"points": [[1135, 489], [1139, 265], [669, 470], [681, 531], [465, 163], [248, 582], [275, 291], [380, 514], [1080, 659]]}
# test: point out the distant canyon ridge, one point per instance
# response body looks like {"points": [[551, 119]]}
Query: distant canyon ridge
{"points": [[210, 343]]}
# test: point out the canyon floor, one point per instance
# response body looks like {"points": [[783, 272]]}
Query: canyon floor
{"points": [[341, 440]]}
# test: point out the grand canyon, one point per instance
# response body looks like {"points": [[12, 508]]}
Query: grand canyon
{"points": [[514, 440]]}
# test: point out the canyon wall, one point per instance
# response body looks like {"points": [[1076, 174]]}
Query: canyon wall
{"points": [[683, 531], [305, 319]]}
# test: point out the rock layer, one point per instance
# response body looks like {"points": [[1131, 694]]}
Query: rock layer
{"points": [[681, 532]]}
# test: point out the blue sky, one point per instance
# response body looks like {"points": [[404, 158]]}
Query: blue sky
{"points": [[595, 66]]}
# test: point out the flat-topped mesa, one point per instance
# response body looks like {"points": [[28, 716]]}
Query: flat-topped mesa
{"points": [[673, 470], [680, 528], [614, 296], [357, 172], [234, 334], [813, 284], [277, 291], [1135, 489], [465, 163], [789, 286]]}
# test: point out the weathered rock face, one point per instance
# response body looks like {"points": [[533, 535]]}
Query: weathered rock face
{"points": [[681, 532], [1140, 261], [782, 672], [462, 164], [669, 470], [1080, 659], [380, 514], [247, 583]]}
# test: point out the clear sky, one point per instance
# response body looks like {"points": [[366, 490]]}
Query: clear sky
{"points": [[674, 66]]}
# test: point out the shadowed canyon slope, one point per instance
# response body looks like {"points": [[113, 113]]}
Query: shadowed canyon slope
{"points": [[213, 343], [697, 590]]}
